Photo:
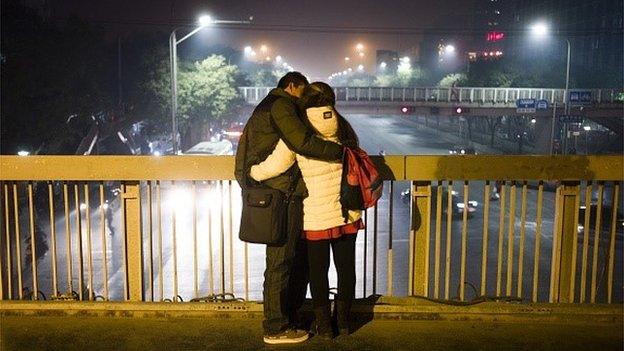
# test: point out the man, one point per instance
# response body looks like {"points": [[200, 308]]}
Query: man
{"points": [[286, 274]]}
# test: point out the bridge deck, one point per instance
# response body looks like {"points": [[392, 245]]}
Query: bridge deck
{"points": [[119, 333]]}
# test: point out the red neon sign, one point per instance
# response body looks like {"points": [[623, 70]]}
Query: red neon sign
{"points": [[495, 36]]}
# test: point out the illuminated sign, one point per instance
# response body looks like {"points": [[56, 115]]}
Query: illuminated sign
{"points": [[495, 36]]}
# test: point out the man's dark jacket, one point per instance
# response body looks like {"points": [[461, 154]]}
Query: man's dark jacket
{"points": [[278, 117]]}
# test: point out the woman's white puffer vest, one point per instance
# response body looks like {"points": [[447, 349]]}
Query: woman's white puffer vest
{"points": [[322, 209]]}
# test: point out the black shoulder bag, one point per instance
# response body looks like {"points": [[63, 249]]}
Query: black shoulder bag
{"points": [[265, 211]]}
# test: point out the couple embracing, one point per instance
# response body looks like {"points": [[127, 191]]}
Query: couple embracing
{"points": [[294, 142]]}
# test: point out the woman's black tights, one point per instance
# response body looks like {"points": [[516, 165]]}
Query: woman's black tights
{"points": [[343, 250]]}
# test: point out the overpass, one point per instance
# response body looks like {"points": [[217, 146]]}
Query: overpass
{"points": [[603, 106]]}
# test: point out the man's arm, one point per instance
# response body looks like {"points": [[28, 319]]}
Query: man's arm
{"points": [[300, 138], [278, 162]]}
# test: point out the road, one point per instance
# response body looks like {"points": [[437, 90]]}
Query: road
{"points": [[221, 256]]}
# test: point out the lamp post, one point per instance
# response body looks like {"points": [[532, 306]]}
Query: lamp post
{"points": [[203, 22], [541, 30]]}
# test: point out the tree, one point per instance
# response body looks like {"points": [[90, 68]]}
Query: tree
{"points": [[454, 78], [492, 123], [383, 80], [206, 95], [51, 73]]}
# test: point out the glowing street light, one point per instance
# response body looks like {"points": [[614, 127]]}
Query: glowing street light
{"points": [[264, 49], [383, 65], [350, 69], [449, 49], [205, 20], [539, 29], [361, 54], [587, 128], [23, 153], [347, 59], [278, 59], [359, 47], [360, 67]]}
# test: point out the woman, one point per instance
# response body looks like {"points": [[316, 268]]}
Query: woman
{"points": [[325, 224]]}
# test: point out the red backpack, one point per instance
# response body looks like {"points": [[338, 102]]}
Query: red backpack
{"points": [[361, 184]]}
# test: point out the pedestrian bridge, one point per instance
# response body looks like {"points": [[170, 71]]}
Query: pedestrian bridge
{"points": [[156, 237], [601, 105], [493, 97]]}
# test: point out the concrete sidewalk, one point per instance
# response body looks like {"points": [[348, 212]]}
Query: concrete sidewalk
{"points": [[379, 323], [75, 332]]}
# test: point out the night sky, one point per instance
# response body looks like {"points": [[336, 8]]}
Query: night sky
{"points": [[313, 36]]}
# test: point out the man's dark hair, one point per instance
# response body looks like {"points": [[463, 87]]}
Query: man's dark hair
{"points": [[292, 77]]}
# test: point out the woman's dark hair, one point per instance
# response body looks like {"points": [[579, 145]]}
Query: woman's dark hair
{"points": [[319, 94]]}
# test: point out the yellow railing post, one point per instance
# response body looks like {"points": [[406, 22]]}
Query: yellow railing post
{"points": [[565, 243], [133, 247], [419, 238]]}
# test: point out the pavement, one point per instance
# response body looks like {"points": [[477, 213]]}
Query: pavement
{"points": [[387, 324], [119, 333]]}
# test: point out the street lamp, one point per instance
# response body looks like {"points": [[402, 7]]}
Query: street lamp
{"points": [[449, 49], [540, 30], [203, 22]]}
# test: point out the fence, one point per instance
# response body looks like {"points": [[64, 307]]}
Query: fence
{"points": [[139, 228], [504, 96]]}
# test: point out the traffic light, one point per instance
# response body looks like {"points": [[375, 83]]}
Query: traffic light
{"points": [[407, 109], [461, 110]]}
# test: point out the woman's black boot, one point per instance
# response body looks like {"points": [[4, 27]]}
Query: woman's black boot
{"points": [[343, 312], [322, 322]]}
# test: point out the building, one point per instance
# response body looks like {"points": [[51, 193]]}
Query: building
{"points": [[593, 28], [490, 19]]}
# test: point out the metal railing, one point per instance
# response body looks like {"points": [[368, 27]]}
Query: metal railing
{"points": [[482, 95], [139, 228]]}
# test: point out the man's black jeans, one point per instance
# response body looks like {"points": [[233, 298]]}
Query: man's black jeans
{"points": [[286, 274]]}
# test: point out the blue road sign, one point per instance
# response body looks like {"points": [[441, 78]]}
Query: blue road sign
{"points": [[525, 103], [542, 105], [580, 97], [571, 119]]}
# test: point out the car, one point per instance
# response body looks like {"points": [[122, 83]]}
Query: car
{"points": [[212, 147], [457, 203], [462, 150], [233, 133]]}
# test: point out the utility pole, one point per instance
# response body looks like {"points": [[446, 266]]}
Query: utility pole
{"points": [[119, 76]]}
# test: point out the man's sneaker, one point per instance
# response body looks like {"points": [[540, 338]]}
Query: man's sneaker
{"points": [[288, 336]]}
